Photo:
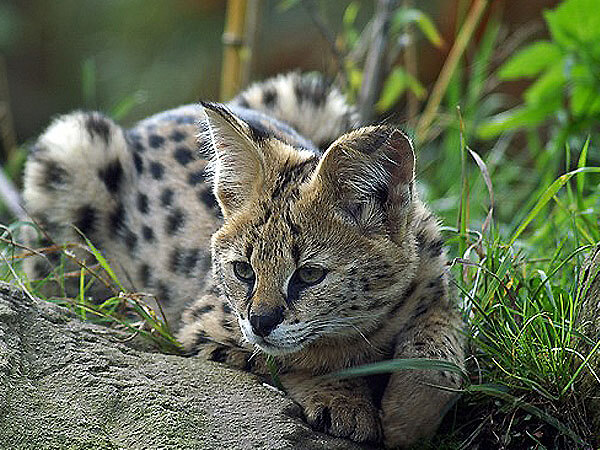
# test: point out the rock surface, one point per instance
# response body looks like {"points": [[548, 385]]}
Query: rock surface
{"points": [[69, 384], [590, 315]]}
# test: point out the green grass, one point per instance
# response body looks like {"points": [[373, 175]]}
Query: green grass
{"points": [[124, 310]]}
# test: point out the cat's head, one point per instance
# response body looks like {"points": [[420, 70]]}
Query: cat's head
{"points": [[313, 248]]}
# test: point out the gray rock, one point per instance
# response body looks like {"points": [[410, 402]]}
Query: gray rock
{"points": [[69, 384], [590, 317]]}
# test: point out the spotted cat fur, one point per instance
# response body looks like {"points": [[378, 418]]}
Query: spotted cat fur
{"points": [[304, 240]]}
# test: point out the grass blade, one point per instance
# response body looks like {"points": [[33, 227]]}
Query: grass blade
{"points": [[547, 195]]}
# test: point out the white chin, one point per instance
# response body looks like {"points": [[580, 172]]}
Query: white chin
{"points": [[276, 351]]}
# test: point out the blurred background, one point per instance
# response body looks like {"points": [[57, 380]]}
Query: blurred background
{"points": [[138, 57], [130, 59]]}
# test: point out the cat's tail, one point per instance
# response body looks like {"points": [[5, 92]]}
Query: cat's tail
{"points": [[316, 108], [74, 177]]}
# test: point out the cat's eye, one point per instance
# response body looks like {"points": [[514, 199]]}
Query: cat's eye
{"points": [[243, 271], [311, 275]]}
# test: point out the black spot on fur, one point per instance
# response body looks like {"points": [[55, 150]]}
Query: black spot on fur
{"points": [[175, 221], [177, 136], [97, 125], [207, 198], [145, 274], [86, 219], [41, 268], [225, 324], [259, 132], [226, 308], [174, 260], [138, 146], [185, 120], [267, 212], [199, 312], [117, 218], [157, 170], [300, 94], [142, 203], [420, 310], [206, 262], [295, 253], [269, 97], [111, 175], [166, 197], [435, 248], [188, 262], [138, 163], [147, 233], [130, 239], [162, 292], [294, 228], [54, 175], [243, 102], [183, 155], [135, 141], [201, 338], [195, 178], [436, 283], [323, 420], [295, 173], [219, 354], [156, 141]]}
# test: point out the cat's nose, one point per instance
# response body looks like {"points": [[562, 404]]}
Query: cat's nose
{"points": [[264, 320]]}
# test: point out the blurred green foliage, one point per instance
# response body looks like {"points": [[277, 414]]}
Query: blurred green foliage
{"points": [[566, 89]]}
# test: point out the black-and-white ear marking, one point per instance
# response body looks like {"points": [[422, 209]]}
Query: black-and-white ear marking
{"points": [[369, 175], [237, 161]]}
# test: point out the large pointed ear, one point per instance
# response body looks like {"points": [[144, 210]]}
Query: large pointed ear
{"points": [[237, 161], [368, 176]]}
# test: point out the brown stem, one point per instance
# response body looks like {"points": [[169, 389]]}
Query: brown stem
{"points": [[237, 42], [460, 44]]}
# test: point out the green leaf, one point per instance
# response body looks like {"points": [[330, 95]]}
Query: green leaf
{"points": [[395, 84], [395, 365], [124, 107], [585, 100], [519, 117], [581, 176], [405, 16], [575, 23], [531, 60], [547, 195], [547, 89], [350, 14], [102, 261]]}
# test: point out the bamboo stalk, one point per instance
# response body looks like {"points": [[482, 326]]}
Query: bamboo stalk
{"points": [[238, 40], [460, 44]]}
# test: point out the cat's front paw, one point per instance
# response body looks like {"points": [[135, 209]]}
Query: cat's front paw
{"points": [[355, 418]]}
